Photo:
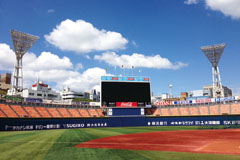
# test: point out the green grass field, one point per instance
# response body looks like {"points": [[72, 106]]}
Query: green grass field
{"points": [[59, 144]]}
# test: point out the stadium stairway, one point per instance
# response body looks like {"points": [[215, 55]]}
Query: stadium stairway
{"points": [[43, 112], [8, 111], [100, 112], [32, 111], [2, 114], [19, 110], [74, 112], [93, 113], [54, 112], [84, 112], [63, 112]]}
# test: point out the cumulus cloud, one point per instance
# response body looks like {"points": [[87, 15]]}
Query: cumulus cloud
{"points": [[82, 37], [7, 57], [189, 2], [227, 7], [51, 68], [138, 60], [46, 61]]}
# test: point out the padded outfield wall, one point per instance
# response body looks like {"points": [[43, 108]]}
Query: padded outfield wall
{"points": [[20, 124]]}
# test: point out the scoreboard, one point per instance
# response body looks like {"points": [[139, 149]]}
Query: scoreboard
{"points": [[125, 91]]}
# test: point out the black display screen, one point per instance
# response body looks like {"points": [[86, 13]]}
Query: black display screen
{"points": [[113, 92]]}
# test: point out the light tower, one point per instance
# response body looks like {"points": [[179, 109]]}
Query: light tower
{"points": [[170, 91], [22, 42], [214, 53]]}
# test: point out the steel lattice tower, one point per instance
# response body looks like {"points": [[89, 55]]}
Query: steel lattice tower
{"points": [[214, 53], [22, 42]]}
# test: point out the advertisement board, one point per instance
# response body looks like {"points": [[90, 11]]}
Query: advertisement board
{"points": [[126, 104]]}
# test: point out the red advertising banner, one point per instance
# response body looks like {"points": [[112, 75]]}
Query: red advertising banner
{"points": [[126, 104], [163, 103], [131, 79], [114, 78]]}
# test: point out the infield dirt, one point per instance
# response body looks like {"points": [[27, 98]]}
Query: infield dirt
{"points": [[221, 141]]}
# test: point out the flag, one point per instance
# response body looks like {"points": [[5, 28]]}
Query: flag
{"points": [[122, 66], [132, 67], [106, 69]]}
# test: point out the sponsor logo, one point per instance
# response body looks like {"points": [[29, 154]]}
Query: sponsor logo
{"points": [[114, 78], [131, 79], [126, 104]]}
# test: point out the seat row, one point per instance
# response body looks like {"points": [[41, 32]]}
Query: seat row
{"points": [[223, 109], [47, 112]]}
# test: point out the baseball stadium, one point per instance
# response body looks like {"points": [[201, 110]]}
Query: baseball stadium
{"points": [[126, 124]]}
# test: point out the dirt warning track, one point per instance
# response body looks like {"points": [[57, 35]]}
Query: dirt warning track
{"points": [[197, 141]]}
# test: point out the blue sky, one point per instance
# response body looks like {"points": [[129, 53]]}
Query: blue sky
{"points": [[162, 38]]}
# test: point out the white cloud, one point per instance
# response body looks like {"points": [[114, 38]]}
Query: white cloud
{"points": [[51, 68], [7, 57], [82, 37], [138, 60], [50, 11], [227, 7], [46, 61], [87, 80], [78, 66], [189, 2]]}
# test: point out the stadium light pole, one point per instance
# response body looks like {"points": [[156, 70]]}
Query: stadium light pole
{"points": [[214, 53], [22, 42]]}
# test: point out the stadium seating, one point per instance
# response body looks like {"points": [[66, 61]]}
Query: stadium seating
{"points": [[156, 112], [64, 112], [19, 110], [32, 112], [165, 112], [93, 113], [2, 114], [203, 110], [74, 112], [184, 111], [83, 112], [174, 111], [193, 110], [100, 112], [235, 108], [214, 110], [225, 109], [43, 112], [7, 110], [54, 112]]}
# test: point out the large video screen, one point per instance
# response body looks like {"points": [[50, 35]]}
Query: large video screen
{"points": [[118, 93]]}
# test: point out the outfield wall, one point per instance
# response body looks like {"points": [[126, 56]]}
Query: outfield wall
{"points": [[20, 124]]}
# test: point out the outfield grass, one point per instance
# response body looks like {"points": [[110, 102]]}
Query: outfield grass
{"points": [[59, 144]]}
